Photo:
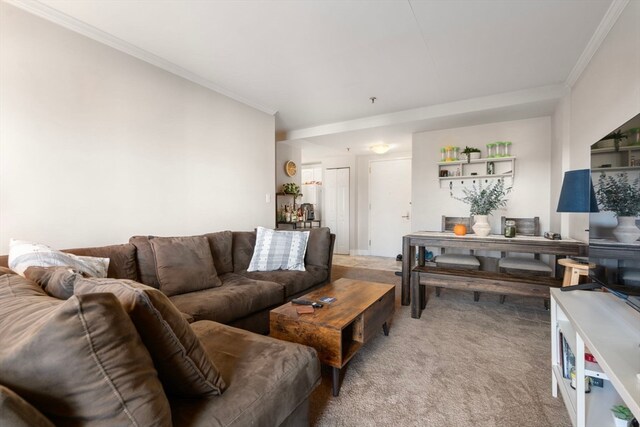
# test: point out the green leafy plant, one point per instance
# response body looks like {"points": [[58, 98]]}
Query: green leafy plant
{"points": [[483, 201], [622, 412], [291, 188], [616, 194], [617, 137], [468, 150]]}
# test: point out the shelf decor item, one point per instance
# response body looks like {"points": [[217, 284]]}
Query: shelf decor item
{"points": [[291, 188], [470, 153], [616, 194], [491, 150], [613, 139], [622, 416], [483, 201]]}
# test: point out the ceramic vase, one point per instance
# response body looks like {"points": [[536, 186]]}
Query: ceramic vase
{"points": [[617, 422], [626, 231], [481, 226]]}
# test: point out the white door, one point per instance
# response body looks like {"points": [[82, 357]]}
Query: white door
{"points": [[390, 205], [336, 207]]}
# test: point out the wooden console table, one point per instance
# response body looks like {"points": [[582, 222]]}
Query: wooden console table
{"points": [[494, 242]]}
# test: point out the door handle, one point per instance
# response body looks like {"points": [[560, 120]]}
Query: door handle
{"points": [[405, 216]]}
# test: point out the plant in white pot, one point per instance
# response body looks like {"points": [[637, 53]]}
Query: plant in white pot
{"points": [[621, 415], [483, 201], [616, 194], [471, 153]]}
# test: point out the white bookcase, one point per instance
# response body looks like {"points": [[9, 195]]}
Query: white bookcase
{"points": [[610, 329]]}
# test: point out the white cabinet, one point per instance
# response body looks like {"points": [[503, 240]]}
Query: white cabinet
{"points": [[611, 331]]}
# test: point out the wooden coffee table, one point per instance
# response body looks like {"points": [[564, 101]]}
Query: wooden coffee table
{"points": [[339, 329]]}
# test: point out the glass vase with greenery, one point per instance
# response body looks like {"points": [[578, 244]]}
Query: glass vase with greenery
{"points": [[616, 194], [483, 201]]}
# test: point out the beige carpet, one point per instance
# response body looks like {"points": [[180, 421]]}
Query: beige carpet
{"points": [[463, 363]]}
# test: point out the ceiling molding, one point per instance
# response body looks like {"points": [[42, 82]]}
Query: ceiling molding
{"points": [[554, 92], [66, 21], [608, 21]]}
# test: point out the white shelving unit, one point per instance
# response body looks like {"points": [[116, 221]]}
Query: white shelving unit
{"points": [[626, 158], [610, 329], [503, 168]]}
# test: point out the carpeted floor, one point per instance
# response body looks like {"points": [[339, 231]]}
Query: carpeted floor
{"points": [[464, 363]]}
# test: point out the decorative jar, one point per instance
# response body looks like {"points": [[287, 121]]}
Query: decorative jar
{"points": [[510, 228]]}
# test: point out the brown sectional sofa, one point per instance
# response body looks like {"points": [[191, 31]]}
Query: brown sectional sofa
{"points": [[268, 381]]}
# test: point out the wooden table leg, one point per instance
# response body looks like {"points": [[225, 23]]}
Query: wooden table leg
{"points": [[406, 270], [416, 304], [335, 373], [385, 328]]}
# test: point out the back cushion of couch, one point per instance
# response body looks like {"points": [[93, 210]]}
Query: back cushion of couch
{"points": [[221, 245], [145, 261], [318, 247], [79, 361], [243, 244], [122, 259]]}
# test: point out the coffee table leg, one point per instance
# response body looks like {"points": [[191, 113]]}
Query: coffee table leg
{"points": [[336, 380], [385, 328]]}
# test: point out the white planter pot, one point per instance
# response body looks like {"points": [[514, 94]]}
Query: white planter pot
{"points": [[626, 231], [481, 226], [473, 156], [620, 423]]}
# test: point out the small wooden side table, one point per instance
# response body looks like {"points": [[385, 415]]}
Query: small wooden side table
{"points": [[573, 270]]}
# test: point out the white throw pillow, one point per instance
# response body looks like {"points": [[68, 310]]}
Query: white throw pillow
{"points": [[23, 254], [279, 250]]}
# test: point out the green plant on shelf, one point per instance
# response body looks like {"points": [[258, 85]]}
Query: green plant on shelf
{"points": [[291, 188], [622, 412]]}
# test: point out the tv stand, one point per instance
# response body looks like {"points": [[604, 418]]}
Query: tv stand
{"points": [[610, 330]]}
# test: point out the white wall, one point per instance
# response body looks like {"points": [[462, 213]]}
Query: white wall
{"points": [[530, 194], [96, 146], [284, 153], [606, 95]]}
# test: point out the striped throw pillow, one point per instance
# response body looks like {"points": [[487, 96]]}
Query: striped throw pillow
{"points": [[23, 254], [279, 250]]}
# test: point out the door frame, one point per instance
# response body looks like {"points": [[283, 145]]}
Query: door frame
{"points": [[386, 159]]}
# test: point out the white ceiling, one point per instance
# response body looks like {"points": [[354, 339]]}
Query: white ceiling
{"points": [[317, 62]]}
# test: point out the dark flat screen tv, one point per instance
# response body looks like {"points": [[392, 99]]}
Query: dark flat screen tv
{"points": [[617, 264]]}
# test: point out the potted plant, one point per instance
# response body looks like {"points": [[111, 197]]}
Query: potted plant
{"points": [[471, 153], [616, 194], [483, 201], [616, 136], [291, 188], [621, 415]]}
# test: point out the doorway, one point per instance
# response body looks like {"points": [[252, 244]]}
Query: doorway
{"points": [[389, 205], [336, 211]]}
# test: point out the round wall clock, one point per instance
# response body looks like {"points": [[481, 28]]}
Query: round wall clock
{"points": [[290, 168]]}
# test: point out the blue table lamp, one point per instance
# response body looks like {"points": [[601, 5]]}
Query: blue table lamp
{"points": [[577, 193]]}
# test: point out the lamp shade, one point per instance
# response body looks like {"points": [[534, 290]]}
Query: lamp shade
{"points": [[577, 193]]}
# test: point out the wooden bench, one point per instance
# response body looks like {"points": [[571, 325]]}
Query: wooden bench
{"points": [[479, 281]]}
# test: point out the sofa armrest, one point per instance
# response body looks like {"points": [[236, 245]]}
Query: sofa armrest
{"points": [[17, 412]]}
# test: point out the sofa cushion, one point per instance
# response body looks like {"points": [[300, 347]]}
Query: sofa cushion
{"points": [[318, 247], [6, 270], [183, 366], [278, 250], [221, 245], [145, 261], [17, 412], [294, 282], [184, 264], [267, 379], [23, 254], [78, 361], [238, 297], [243, 243], [122, 259], [56, 281]]}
